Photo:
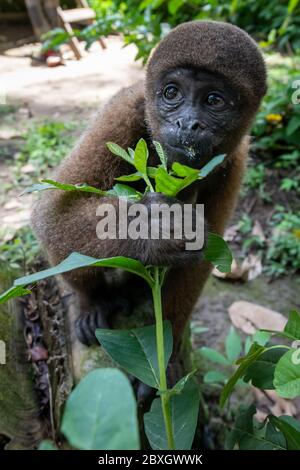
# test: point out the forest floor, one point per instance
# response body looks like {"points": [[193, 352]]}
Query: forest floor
{"points": [[33, 94]]}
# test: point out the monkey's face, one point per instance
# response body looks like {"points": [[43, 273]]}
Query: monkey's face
{"points": [[196, 116]]}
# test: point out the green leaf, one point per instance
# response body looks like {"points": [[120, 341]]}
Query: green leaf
{"points": [[51, 184], [183, 170], [141, 156], [76, 261], [12, 293], [120, 152], [133, 177], [160, 153], [184, 414], [292, 328], [293, 125], [287, 374], [47, 445], [290, 432], [213, 355], [122, 190], [261, 337], [181, 383], [218, 253], [261, 373], [214, 376], [100, 413], [165, 183], [254, 352], [151, 171], [171, 185], [174, 5], [211, 165], [233, 345], [135, 350], [249, 436]]}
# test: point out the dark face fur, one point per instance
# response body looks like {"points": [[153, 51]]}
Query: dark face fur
{"points": [[196, 111]]}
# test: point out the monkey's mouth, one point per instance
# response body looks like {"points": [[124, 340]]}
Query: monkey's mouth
{"points": [[190, 155]]}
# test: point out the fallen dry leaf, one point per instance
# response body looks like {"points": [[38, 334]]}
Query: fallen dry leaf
{"points": [[250, 317], [269, 402], [250, 268]]}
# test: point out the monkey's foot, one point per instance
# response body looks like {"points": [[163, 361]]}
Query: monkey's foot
{"points": [[88, 322]]}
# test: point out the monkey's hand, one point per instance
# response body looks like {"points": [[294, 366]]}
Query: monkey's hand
{"points": [[177, 231]]}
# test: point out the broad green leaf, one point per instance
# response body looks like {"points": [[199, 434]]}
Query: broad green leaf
{"points": [[293, 125], [151, 171], [213, 355], [292, 5], [218, 253], [174, 5], [214, 376], [287, 374], [141, 156], [292, 328], [135, 350], [183, 170], [12, 293], [254, 352], [101, 413], [165, 183], [133, 177], [261, 337], [211, 165], [120, 152], [171, 185], [122, 190], [181, 383], [261, 373], [249, 436], [51, 184], [76, 260], [184, 414], [290, 432], [233, 345], [160, 153], [47, 445]]}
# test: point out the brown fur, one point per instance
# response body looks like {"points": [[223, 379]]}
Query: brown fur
{"points": [[66, 222]]}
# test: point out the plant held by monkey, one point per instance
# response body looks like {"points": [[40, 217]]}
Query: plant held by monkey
{"points": [[143, 352]]}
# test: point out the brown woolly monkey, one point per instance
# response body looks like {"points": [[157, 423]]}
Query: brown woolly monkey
{"points": [[203, 86]]}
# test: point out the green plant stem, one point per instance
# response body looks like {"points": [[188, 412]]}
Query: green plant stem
{"points": [[165, 399]]}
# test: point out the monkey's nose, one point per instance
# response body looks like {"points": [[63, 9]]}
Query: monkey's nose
{"points": [[188, 124]]}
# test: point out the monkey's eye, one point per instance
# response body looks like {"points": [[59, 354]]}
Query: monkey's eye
{"points": [[215, 100], [171, 93]]}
